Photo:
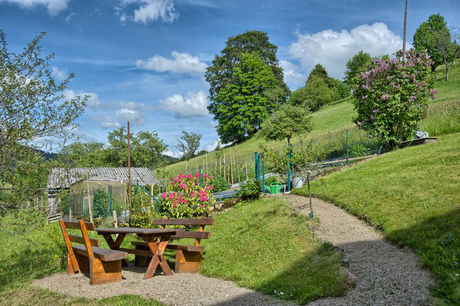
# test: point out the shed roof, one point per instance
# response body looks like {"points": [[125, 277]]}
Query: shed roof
{"points": [[60, 178]]}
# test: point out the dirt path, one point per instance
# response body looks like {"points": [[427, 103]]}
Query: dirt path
{"points": [[384, 274]]}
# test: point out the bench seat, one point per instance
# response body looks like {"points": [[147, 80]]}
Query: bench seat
{"points": [[101, 253]]}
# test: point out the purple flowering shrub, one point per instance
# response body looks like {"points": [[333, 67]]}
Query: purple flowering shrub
{"points": [[186, 198], [391, 97]]}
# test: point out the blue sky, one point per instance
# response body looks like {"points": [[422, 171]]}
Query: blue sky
{"points": [[143, 60]]}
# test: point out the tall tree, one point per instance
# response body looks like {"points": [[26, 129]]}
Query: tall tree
{"points": [[430, 35], [243, 102], [219, 74], [32, 107], [358, 63], [188, 144], [148, 149]]}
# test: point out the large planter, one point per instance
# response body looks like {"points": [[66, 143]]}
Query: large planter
{"points": [[297, 182]]}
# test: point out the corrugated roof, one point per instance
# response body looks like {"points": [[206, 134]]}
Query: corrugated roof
{"points": [[62, 178]]}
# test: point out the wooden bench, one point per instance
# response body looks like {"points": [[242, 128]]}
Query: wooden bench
{"points": [[102, 265], [188, 257]]}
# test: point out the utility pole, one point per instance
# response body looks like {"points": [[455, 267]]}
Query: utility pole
{"points": [[129, 177], [405, 30]]}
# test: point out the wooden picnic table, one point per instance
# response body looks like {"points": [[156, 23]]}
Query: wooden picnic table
{"points": [[156, 239]]}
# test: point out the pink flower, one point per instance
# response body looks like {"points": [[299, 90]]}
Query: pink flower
{"points": [[175, 203], [175, 179], [201, 205], [204, 175], [197, 175], [171, 195], [189, 175], [163, 195], [185, 201], [211, 177]]}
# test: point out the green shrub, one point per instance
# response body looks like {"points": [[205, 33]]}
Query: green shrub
{"points": [[31, 248], [220, 184], [142, 210], [250, 190]]}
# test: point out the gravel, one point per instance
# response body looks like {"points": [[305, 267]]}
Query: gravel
{"points": [[178, 289], [383, 273]]}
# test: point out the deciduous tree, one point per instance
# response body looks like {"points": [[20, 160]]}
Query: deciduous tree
{"points": [[358, 63], [243, 102], [188, 144], [33, 109]]}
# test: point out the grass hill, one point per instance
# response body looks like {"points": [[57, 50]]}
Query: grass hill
{"points": [[412, 195], [443, 118]]}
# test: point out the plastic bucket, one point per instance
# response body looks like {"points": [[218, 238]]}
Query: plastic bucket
{"points": [[297, 182]]}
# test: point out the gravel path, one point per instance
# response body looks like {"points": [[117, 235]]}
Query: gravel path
{"points": [[384, 274], [178, 289]]}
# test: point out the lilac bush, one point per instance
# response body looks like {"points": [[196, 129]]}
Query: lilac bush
{"points": [[391, 97]]}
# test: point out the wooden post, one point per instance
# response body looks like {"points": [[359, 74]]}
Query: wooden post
{"points": [[129, 177], [246, 166], [225, 166], [89, 200], [232, 163], [206, 157], [70, 214], [151, 192], [238, 167], [220, 166], [115, 219]]}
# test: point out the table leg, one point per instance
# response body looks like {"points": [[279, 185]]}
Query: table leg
{"points": [[114, 245], [157, 249]]}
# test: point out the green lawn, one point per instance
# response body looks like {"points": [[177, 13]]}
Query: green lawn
{"points": [[413, 196], [264, 246]]}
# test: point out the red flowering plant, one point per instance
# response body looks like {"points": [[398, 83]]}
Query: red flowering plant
{"points": [[188, 196], [391, 96]]}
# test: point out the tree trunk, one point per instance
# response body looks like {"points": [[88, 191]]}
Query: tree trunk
{"points": [[447, 72]]}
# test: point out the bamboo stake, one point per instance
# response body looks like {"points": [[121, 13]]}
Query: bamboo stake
{"points": [[246, 165], [225, 166], [238, 167], [151, 192], [89, 200], [220, 166], [232, 163], [206, 157]]}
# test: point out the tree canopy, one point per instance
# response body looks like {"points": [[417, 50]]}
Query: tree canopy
{"points": [[146, 151], [220, 75], [33, 110], [433, 36], [286, 122], [358, 63], [188, 144], [243, 102]]}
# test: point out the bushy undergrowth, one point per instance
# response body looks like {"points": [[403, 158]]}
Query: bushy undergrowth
{"points": [[412, 195], [250, 190], [262, 245], [31, 248]]}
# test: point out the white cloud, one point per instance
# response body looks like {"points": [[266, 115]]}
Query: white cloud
{"points": [[93, 99], [150, 11], [54, 6], [59, 74], [108, 122], [181, 63], [292, 74], [131, 111], [192, 105], [333, 49], [175, 154]]}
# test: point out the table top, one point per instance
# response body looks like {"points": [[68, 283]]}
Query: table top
{"points": [[136, 230]]}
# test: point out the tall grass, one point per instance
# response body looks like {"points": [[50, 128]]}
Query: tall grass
{"points": [[442, 119]]}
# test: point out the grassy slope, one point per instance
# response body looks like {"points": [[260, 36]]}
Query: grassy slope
{"points": [[264, 246], [413, 196], [338, 117]]}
